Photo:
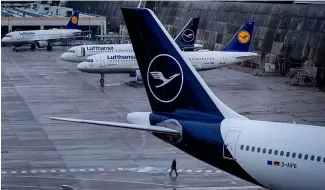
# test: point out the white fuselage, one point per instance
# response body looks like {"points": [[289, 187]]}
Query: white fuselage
{"points": [[80, 53], [33, 36], [277, 155], [127, 63]]}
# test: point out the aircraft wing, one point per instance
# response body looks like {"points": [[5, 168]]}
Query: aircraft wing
{"points": [[246, 56], [150, 128]]}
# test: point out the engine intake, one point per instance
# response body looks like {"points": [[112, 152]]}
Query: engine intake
{"points": [[42, 44]]}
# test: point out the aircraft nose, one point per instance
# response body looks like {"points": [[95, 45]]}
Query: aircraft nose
{"points": [[64, 57], [82, 66]]}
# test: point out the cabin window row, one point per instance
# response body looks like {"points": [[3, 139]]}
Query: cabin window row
{"points": [[211, 58], [282, 153]]}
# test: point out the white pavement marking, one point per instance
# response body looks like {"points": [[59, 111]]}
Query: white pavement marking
{"points": [[102, 180], [145, 169], [140, 170]]}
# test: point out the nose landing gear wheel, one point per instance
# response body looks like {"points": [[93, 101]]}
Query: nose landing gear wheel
{"points": [[33, 47], [102, 79], [49, 48]]}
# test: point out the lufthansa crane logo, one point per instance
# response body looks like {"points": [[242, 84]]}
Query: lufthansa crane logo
{"points": [[165, 78], [243, 36], [188, 35], [74, 20]]}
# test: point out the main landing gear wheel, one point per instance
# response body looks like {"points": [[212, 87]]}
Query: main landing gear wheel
{"points": [[102, 79], [14, 48], [33, 47], [49, 48]]}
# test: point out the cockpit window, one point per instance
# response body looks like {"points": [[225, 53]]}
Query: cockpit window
{"points": [[90, 60], [9, 36], [71, 51]]}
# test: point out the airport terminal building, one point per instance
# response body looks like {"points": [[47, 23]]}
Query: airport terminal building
{"points": [[35, 16]]}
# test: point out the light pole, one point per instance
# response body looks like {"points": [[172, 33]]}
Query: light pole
{"points": [[89, 22]]}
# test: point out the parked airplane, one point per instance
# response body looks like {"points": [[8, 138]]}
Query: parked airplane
{"points": [[106, 63], [126, 62], [186, 114], [43, 38], [185, 39]]}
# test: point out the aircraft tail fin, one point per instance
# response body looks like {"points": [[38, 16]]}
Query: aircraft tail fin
{"points": [[186, 37], [170, 80], [74, 20], [242, 39]]}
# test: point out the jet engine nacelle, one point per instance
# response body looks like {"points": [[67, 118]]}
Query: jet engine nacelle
{"points": [[138, 76], [42, 44]]}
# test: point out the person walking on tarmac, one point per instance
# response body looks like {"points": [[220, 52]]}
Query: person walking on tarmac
{"points": [[173, 168]]}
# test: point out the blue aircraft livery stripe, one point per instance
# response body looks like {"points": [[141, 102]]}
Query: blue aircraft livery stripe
{"points": [[176, 96]]}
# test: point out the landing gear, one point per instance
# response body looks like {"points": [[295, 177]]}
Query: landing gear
{"points": [[49, 47], [132, 74], [102, 79], [14, 48], [33, 47]]}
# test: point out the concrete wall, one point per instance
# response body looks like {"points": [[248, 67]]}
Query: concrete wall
{"points": [[292, 31]]}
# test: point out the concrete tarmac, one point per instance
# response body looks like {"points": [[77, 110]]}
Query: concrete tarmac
{"points": [[38, 153]]}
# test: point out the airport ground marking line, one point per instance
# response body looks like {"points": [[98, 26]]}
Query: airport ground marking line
{"points": [[13, 172], [102, 169], [23, 172], [43, 171], [103, 180], [91, 169], [29, 186], [53, 171]]}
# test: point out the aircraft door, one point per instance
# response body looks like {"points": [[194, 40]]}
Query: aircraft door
{"points": [[102, 61], [78, 52], [229, 147], [223, 61]]}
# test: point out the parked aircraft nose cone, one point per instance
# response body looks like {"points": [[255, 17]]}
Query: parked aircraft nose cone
{"points": [[65, 57], [81, 66]]}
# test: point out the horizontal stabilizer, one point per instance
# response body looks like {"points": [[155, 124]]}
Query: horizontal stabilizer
{"points": [[150, 128]]}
